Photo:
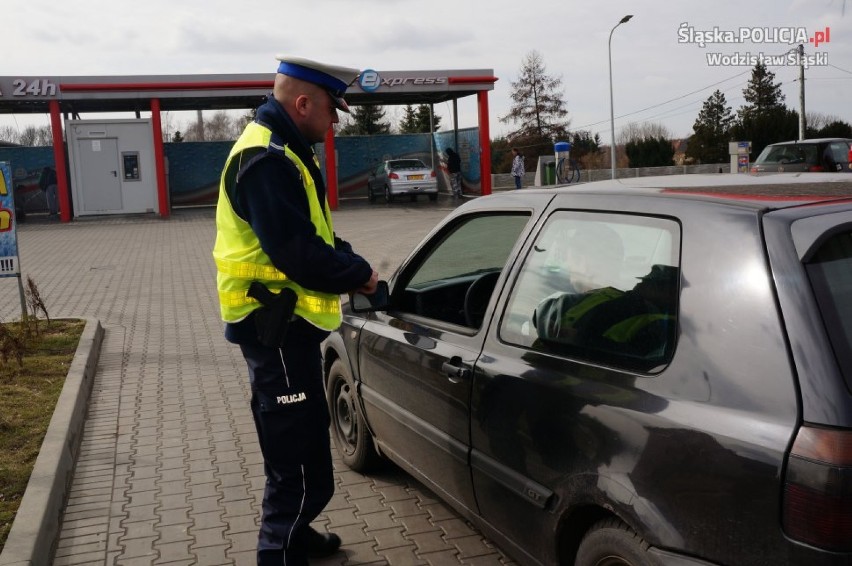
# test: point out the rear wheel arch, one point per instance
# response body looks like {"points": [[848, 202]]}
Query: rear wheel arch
{"points": [[574, 526], [611, 542]]}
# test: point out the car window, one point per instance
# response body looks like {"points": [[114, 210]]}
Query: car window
{"points": [[809, 154], [454, 280], [602, 287], [839, 152], [777, 154], [830, 273], [407, 164]]}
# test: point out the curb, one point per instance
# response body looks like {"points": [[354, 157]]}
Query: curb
{"points": [[35, 530]]}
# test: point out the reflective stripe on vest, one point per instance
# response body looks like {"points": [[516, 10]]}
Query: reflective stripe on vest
{"points": [[625, 330], [240, 259]]}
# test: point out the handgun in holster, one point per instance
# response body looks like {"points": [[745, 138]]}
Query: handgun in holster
{"points": [[272, 319]]}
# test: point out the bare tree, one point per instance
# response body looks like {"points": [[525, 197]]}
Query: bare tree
{"points": [[9, 134], [638, 131], [818, 120], [218, 127], [36, 136]]}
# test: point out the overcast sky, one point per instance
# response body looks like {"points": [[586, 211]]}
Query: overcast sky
{"points": [[660, 73]]}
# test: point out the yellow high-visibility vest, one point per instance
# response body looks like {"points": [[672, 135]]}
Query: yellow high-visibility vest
{"points": [[240, 259]]}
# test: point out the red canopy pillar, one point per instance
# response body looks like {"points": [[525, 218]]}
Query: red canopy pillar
{"points": [[159, 159], [59, 163], [330, 170], [484, 143]]}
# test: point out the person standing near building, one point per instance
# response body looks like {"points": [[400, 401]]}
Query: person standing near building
{"points": [[280, 271], [518, 168], [454, 169], [47, 183]]}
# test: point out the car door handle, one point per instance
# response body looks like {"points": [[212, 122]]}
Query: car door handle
{"points": [[454, 371]]}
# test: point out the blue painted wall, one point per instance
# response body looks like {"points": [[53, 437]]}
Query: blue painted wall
{"points": [[194, 167]]}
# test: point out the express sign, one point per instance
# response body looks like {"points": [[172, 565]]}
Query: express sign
{"points": [[370, 81]]}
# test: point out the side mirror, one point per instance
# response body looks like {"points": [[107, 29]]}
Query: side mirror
{"points": [[378, 301]]}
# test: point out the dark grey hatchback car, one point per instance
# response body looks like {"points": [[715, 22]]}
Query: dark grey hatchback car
{"points": [[612, 375]]}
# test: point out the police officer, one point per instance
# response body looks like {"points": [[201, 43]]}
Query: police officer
{"points": [[274, 229]]}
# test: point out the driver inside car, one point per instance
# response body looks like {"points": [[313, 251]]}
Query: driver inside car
{"points": [[635, 322]]}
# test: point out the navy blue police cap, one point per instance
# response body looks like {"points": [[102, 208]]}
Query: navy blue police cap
{"points": [[334, 79]]}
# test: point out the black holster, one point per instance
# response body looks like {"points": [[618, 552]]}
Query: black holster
{"points": [[272, 319]]}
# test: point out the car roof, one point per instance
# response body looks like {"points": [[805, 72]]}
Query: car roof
{"points": [[811, 141], [758, 192]]}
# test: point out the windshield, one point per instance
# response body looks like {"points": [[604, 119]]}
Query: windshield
{"points": [[789, 153], [406, 164]]}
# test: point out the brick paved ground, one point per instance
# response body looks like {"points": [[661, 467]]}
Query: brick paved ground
{"points": [[169, 470]]}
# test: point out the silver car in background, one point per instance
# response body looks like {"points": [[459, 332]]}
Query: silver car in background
{"points": [[830, 155], [396, 177]]}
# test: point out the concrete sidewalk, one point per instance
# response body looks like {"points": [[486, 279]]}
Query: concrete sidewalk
{"points": [[169, 471]]}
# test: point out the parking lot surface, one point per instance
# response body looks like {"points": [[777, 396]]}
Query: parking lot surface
{"points": [[169, 471]]}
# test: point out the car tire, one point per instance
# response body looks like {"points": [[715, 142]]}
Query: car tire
{"points": [[612, 543], [348, 428], [388, 195], [433, 197]]}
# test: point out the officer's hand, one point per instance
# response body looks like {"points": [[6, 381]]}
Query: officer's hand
{"points": [[370, 286]]}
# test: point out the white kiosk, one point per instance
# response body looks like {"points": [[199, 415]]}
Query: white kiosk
{"points": [[111, 166]]}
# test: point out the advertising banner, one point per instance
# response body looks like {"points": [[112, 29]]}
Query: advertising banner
{"points": [[8, 234]]}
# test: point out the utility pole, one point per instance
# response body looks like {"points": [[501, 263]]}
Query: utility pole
{"points": [[801, 92], [200, 126]]}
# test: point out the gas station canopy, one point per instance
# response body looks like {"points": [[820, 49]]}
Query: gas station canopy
{"points": [[72, 95], [76, 94]]}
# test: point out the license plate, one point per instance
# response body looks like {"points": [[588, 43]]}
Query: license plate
{"points": [[415, 177]]}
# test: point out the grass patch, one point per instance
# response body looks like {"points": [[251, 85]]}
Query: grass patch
{"points": [[28, 396]]}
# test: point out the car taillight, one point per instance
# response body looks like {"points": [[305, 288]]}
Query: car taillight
{"points": [[816, 169], [817, 507], [393, 176]]}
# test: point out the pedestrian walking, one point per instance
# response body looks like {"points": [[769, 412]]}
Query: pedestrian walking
{"points": [[518, 167]]}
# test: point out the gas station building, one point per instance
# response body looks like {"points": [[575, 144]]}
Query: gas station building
{"points": [[120, 165]]}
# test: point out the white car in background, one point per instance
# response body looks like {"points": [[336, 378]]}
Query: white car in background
{"points": [[397, 177]]}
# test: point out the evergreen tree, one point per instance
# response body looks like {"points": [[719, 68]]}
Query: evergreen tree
{"points": [[650, 152], [834, 129], [712, 131], [771, 126], [424, 114], [416, 120], [408, 125], [762, 94], [583, 144], [764, 119], [366, 121], [537, 105]]}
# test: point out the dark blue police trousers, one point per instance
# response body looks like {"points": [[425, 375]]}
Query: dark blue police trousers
{"points": [[292, 420]]}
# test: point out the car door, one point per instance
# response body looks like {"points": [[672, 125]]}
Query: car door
{"points": [[538, 384], [374, 179], [416, 360]]}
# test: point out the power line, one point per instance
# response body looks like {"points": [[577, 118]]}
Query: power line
{"points": [[667, 101]]}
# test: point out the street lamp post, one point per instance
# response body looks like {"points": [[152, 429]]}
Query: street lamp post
{"points": [[623, 20]]}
